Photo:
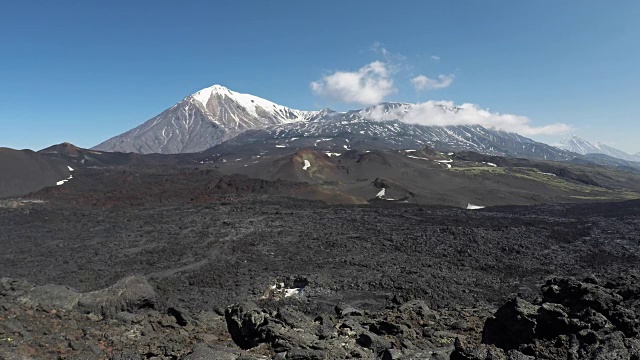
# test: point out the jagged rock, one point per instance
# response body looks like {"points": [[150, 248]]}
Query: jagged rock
{"points": [[393, 354], [384, 327], [327, 326], [53, 296], [243, 322], [512, 325], [419, 308], [625, 320], [552, 320], [13, 287], [294, 318], [465, 350], [129, 294], [591, 319], [580, 319], [610, 347], [377, 344], [578, 296], [180, 314], [350, 327], [285, 338]]}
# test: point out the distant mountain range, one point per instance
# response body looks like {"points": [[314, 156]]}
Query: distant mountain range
{"points": [[216, 120], [342, 131], [216, 115], [584, 147]]}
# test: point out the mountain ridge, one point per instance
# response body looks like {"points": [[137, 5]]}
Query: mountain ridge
{"points": [[581, 146], [217, 115]]}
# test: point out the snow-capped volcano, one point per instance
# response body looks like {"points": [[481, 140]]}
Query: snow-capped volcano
{"points": [[202, 120], [583, 147], [264, 110]]}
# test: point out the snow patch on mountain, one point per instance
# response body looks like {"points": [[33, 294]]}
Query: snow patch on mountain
{"points": [[583, 147], [251, 104]]}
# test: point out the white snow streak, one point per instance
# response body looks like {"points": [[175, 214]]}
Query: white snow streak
{"points": [[291, 292], [61, 182], [470, 206]]}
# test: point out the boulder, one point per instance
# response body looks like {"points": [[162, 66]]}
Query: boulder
{"points": [[584, 320], [326, 326], [578, 296], [375, 343], [465, 350], [243, 323], [286, 338], [512, 325], [180, 314], [13, 287], [384, 327], [129, 294], [53, 296], [552, 320]]}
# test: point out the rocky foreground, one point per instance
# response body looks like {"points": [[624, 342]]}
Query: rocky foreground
{"points": [[570, 320]]}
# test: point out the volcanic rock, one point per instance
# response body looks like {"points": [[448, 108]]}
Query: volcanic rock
{"points": [[129, 294], [579, 319], [244, 322]]}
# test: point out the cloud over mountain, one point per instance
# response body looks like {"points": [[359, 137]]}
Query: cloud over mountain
{"points": [[369, 85], [445, 113]]}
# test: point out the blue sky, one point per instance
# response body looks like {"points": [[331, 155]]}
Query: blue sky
{"points": [[83, 71]]}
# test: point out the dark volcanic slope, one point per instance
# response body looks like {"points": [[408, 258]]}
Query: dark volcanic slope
{"points": [[24, 171], [80, 157], [427, 177]]}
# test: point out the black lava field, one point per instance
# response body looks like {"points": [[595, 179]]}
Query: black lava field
{"points": [[247, 274]]}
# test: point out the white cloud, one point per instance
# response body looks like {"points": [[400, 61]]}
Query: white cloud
{"points": [[422, 82], [445, 113], [367, 86], [435, 57]]}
